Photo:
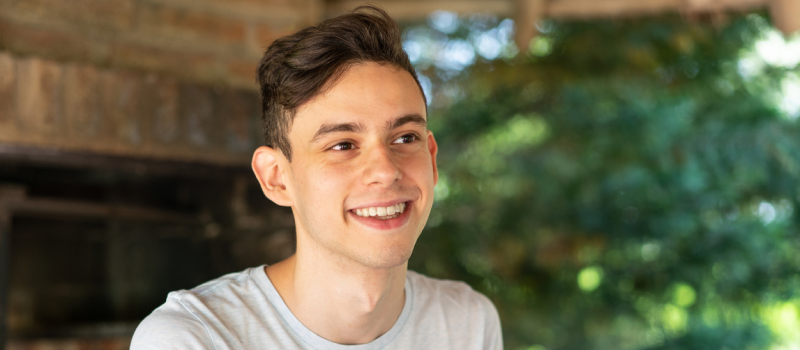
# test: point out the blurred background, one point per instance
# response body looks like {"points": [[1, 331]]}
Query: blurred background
{"points": [[615, 174]]}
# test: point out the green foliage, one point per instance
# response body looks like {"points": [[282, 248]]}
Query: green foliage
{"points": [[626, 186]]}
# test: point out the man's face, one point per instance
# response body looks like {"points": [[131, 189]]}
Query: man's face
{"points": [[363, 147]]}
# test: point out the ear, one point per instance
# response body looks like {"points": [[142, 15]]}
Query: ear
{"points": [[433, 148], [268, 165]]}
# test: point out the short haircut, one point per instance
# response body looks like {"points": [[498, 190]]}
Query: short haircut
{"points": [[300, 66]]}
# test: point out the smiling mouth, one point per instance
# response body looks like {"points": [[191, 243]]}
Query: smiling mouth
{"points": [[381, 213]]}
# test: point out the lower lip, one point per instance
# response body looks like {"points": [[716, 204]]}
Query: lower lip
{"points": [[387, 224]]}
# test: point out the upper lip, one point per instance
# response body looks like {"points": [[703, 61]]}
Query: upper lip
{"points": [[381, 204]]}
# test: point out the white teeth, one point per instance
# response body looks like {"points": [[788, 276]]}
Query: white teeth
{"points": [[382, 212]]}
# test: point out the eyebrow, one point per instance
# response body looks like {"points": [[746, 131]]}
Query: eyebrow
{"points": [[332, 128], [356, 127], [408, 118]]}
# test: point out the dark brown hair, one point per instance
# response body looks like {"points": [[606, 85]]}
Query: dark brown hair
{"points": [[298, 67]]}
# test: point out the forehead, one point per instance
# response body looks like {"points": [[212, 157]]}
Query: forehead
{"points": [[367, 93]]}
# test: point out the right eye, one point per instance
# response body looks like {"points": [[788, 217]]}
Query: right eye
{"points": [[343, 146]]}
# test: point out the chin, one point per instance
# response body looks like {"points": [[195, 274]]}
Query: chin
{"points": [[385, 259]]}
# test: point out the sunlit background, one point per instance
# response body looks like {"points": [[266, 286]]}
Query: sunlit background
{"points": [[625, 184], [612, 180]]}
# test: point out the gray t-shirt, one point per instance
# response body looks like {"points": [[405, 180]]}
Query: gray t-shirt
{"points": [[244, 311]]}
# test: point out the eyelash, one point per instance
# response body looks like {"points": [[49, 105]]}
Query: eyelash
{"points": [[334, 148]]}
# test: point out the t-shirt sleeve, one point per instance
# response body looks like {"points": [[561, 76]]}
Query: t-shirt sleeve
{"points": [[493, 336], [171, 326]]}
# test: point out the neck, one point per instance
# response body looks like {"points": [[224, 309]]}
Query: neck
{"points": [[336, 297]]}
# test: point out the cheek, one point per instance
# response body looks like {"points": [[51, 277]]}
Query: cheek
{"points": [[325, 186], [420, 169]]}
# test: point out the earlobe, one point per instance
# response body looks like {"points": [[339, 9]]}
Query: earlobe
{"points": [[268, 169], [433, 148]]}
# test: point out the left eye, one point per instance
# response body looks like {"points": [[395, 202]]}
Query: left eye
{"points": [[409, 138]]}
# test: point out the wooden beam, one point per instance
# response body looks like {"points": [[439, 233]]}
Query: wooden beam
{"points": [[414, 10], [723, 5], [405, 10], [34, 156], [607, 8], [618, 8], [528, 12], [59, 208], [14, 201], [786, 15]]}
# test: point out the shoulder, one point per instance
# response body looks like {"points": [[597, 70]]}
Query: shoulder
{"points": [[171, 326], [184, 320], [453, 294], [454, 307]]}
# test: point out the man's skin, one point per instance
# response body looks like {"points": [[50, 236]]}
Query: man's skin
{"points": [[362, 143]]}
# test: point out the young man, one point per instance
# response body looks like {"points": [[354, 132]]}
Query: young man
{"points": [[349, 151]]}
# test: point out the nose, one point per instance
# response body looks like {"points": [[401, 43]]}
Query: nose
{"points": [[381, 167]]}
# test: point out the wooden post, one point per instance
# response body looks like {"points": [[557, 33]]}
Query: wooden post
{"points": [[528, 12], [786, 15], [9, 197], [5, 251]]}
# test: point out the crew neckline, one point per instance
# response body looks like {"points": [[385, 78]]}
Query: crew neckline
{"points": [[312, 339]]}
